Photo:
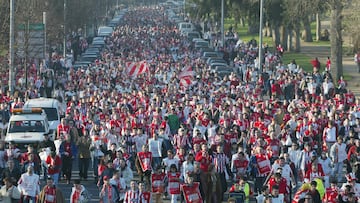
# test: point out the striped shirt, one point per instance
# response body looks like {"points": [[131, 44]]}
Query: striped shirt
{"points": [[131, 196], [220, 160]]}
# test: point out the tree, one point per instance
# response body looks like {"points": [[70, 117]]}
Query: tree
{"points": [[336, 8], [351, 16]]}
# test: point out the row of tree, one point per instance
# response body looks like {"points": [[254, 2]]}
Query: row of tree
{"points": [[287, 21], [79, 14]]}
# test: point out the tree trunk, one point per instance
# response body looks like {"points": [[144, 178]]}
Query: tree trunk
{"points": [[284, 37], [307, 30], [243, 21], [318, 27], [297, 39], [276, 34], [290, 40], [336, 39], [267, 29]]}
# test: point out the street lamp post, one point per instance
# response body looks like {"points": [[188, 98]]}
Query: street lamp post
{"points": [[11, 48], [261, 36], [64, 49], [45, 45], [222, 24]]}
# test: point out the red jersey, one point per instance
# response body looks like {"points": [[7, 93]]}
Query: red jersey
{"points": [[274, 147], [145, 159], [240, 166], [157, 182], [174, 183], [62, 129], [283, 187], [55, 164], [331, 195], [50, 194], [263, 164], [192, 193], [204, 161], [310, 175]]}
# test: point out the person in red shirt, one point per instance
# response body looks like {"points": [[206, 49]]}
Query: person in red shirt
{"points": [[63, 127], [53, 163], [143, 164], [239, 164], [203, 158], [281, 181], [313, 173], [331, 193]]}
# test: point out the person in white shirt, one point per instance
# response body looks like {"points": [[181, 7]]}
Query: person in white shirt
{"points": [[29, 185], [167, 162], [156, 147], [265, 193], [199, 128], [275, 196], [140, 139], [338, 156], [327, 85], [329, 134], [326, 166], [285, 169], [187, 166], [294, 154]]}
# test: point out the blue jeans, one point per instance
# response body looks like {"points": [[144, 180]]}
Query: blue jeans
{"points": [[338, 170], [156, 162], [44, 169], [55, 178], [95, 164], [28, 199]]}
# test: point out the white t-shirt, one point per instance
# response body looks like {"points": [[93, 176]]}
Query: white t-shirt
{"points": [[330, 134], [140, 140], [155, 147], [286, 171], [279, 199], [168, 162], [29, 184]]}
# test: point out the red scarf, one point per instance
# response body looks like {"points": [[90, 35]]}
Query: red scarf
{"points": [[76, 196]]}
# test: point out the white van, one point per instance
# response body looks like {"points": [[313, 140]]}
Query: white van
{"points": [[52, 108], [27, 126], [185, 27]]}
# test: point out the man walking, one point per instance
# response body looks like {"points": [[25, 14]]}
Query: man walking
{"points": [[338, 156], [29, 185]]}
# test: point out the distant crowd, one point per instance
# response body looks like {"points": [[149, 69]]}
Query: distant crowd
{"points": [[266, 132]]}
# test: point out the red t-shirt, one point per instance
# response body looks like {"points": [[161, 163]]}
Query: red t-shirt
{"points": [[54, 163]]}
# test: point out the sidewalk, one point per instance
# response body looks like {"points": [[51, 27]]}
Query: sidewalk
{"points": [[349, 66]]}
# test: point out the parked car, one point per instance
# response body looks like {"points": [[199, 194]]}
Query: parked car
{"points": [[104, 31]]}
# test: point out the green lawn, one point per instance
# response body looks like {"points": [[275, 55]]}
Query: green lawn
{"points": [[3, 52], [301, 59], [243, 32]]}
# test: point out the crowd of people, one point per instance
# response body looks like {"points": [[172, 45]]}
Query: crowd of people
{"points": [[266, 132]]}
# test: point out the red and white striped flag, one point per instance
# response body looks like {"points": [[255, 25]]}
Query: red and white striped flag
{"points": [[135, 69], [186, 76]]}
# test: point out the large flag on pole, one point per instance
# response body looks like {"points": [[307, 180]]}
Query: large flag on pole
{"points": [[135, 69], [186, 76]]}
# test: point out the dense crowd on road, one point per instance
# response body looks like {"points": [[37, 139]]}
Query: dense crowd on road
{"points": [[251, 133]]}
